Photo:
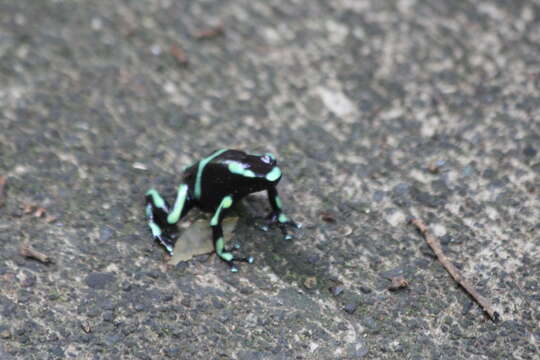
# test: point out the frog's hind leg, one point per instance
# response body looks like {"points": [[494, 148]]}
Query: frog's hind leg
{"points": [[161, 218], [217, 235]]}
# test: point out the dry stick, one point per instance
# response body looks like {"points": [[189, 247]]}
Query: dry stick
{"points": [[209, 33], [179, 54], [454, 272], [86, 327], [28, 251], [2, 189]]}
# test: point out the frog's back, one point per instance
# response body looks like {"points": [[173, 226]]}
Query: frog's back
{"points": [[215, 160], [190, 173]]}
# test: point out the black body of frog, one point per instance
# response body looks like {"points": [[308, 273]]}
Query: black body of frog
{"points": [[213, 185]]}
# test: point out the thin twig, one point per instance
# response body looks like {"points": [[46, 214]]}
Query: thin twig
{"points": [[50, 219], [179, 54], [2, 189], [28, 251], [39, 212], [454, 272], [85, 325], [211, 32], [28, 208]]}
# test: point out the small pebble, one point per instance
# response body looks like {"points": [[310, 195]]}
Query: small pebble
{"points": [[350, 308], [336, 290], [310, 282]]}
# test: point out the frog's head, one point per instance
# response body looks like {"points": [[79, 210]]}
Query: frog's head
{"points": [[263, 167], [273, 172]]}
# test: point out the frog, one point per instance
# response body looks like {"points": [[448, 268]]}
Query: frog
{"points": [[213, 184]]}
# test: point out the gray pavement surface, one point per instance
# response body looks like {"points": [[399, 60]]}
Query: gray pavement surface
{"points": [[377, 111]]}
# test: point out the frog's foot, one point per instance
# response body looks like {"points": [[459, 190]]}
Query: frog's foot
{"points": [[163, 237], [230, 259], [232, 265], [161, 231], [234, 248], [166, 242], [157, 210], [227, 255], [162, 218], [281, 220]]}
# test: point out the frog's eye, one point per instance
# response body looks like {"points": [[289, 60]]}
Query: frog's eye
{"points": [[266, 159]]}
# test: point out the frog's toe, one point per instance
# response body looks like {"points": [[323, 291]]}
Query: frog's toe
{"points": [[232, 261], [234, 248], [263, 222], [248, 259], [292, 224]]}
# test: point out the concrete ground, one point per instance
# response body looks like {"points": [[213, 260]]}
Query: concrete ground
{"points": [[377, 111]]}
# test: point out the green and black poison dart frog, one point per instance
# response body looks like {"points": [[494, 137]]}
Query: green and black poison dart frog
{"points": [[213, 184]]}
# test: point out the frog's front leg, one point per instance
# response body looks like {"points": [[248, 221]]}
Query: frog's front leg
{"points": [[161, 218], [277, 215], [217, 234]]}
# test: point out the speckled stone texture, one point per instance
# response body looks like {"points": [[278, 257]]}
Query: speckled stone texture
{"points": [[377, 110]]}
